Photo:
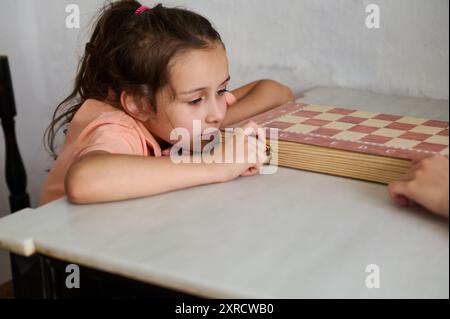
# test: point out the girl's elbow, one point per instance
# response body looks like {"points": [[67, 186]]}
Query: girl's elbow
{"points": [[292, 96], [284, 93], [76, 186]]}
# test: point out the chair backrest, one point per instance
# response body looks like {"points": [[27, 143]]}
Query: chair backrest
{"points": [[16, 178]]}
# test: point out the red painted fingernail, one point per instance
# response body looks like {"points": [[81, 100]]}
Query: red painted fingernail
{"points": [[403, 200]]}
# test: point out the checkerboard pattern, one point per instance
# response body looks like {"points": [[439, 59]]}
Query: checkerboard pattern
{"points": [[349, 129]]}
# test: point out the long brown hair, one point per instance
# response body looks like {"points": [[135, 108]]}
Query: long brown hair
{"points": [[131, 52]]}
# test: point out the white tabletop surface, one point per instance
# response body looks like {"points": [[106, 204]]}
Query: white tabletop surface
{"points": [[293, 234]]}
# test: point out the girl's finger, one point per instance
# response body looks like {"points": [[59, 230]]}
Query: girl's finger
{"points": [[230, 98], [251, 171], [400, 193], [251, 128], [262, 155]]}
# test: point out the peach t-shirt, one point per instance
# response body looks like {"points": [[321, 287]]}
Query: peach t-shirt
{"points": [[97, 126]]}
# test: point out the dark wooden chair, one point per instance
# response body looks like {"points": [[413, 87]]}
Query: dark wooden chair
{"points": [[25, 271]]}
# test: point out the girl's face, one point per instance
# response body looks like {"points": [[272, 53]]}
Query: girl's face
{"points": [[199, 79]]}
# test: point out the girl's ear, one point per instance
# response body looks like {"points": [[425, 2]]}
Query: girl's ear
{"points": [[135, 107]]}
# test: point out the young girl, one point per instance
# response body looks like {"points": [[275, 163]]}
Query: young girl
{"points": [[145, 72]]}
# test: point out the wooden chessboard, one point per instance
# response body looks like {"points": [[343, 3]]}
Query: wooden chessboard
{"points": [[353, 143], [359, 131]]}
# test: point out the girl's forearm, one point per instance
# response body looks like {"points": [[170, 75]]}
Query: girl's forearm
{"points": [[108, 177], [255, 98], [243, 91]]}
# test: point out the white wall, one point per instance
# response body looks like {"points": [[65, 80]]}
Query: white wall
{"points": [[303, 43]]}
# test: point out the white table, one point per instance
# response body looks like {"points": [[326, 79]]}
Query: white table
{"points": [[294, 234]]}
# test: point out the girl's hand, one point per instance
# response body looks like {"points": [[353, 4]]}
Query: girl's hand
{"points": [[230, 98], [254, 153], [425, 183]]}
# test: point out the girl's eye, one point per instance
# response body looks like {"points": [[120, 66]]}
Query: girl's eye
{"points": [[195, 102], [199, 100], [222, 92]]}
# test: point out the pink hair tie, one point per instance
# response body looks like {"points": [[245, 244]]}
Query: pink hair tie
{"points": [[141, 9]]}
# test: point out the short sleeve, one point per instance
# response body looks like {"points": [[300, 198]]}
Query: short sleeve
{"points": [[113, 138]]}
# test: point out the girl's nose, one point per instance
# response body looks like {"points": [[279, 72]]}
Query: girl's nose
{"points": [[216, 112]]}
